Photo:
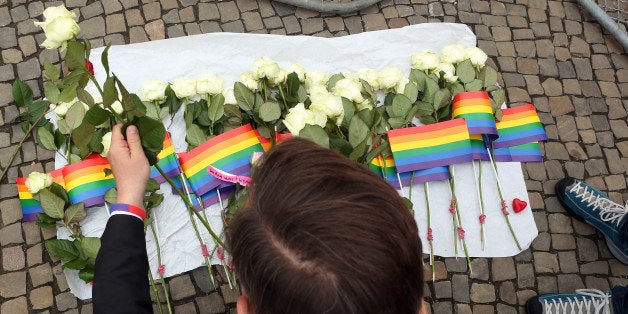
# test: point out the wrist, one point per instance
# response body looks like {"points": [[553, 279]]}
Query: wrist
{"points": [[120, 208], [135, 200]]}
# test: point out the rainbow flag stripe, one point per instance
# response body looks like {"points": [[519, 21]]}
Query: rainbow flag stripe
{"points": [[528, 152], [475, 108], [86, 181], [519, 125], [168, 162], [389, 173], [433, 145], [57, 177], [210, 198], [279, 138], [230, 152], [30, 206], [478, 145]]}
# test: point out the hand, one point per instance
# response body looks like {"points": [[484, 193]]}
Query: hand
{"points": [[129, 165]]}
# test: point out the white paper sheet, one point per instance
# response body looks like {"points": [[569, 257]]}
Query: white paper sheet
{"points": [[228, 55]]}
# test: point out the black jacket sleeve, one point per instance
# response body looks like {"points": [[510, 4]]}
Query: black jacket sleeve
{"points": [[121, 271]]}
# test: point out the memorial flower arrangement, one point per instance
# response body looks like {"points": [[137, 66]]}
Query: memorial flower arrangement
{"points": [[269, 103]]}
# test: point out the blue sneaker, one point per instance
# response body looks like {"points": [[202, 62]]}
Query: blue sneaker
{"points": [[583, 301], [598, 210]]}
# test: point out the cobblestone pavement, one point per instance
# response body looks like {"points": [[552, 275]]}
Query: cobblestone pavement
{"points": [[550, 53]]}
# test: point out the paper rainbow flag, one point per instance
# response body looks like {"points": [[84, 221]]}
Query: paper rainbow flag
{"points": [[211, 197], [387, 170], [168, 162], [86, 181], [230, 152], [519, 125], [279, 138], [433, 145], [529, 152], [475, 108], [57, 177], [30, 206], [478, 145]]}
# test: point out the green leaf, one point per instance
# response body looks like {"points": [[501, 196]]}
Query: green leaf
{"points": [[243, 96], [349, 110], [152, 133], [97, 115], [401, 105], [215, 108], [465, 71], [315, 134], [110, 94], [431, 86], [73, 158], [52, 205], [498, 97], [418, 77], [75, 115], [85, 97], [95, 142], [358, 153], [488, 76], [75, 213], [333, 80], [75, 55], [82, 135], [62, 249], [76, 263], [51, 71], [427, 119], [195, 136], [397, 122], [63, 127], [172, 102], [341, 145], [22, 93], [152, 185], [443, 113], [301, 94], [411, 91], [358, 131], [44, 220], [442, 98], [104, 58], [456, 88], [59, 191], [111, 196], [473, 85], [269, 111], [86, 274], [51, 91], [293, 83], [68, 93], [233, 111], [90, 247], [46, 139]]}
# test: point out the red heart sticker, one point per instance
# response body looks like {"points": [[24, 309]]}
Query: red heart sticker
{"points": [[519, 205]]}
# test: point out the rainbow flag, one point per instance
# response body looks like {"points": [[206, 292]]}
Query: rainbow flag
{"points": [[475, 108], [528, 152], [433, 145], [279, 138], [387, 170], [211, 197], [519, 125], [57, 177], [478, 145], [230, 152], [30, 206], [168, 162], [86, 181]]}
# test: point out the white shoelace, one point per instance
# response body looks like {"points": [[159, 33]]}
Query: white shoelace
{"points": [[590, 301], [609, 210]]}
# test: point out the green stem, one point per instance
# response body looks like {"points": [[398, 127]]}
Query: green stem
{"points": [[429, 227], [190, 206], [464, 242], [482, 236], [410, 189], [200, 240], [453, 217], [164, 285], [152, 284], [19, 145], [281, 93]]}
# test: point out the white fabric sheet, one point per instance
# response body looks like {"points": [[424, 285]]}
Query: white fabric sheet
{"points": [[228, 55]]}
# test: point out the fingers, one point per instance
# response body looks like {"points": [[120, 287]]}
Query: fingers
{"points": [[116, 136], [133, 139]]}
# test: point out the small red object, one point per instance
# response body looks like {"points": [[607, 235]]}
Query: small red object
{"points": [[204, 250], [519, 205], [89, 67], [220, 253], [160, 269]]}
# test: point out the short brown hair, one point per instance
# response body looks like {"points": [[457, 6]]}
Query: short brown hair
{"points": [[324, 234]]}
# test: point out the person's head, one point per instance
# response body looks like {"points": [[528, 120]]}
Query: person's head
{"points": [[324, 234]]}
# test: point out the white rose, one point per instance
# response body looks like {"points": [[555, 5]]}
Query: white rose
{"points": [[117, 107], [315, 78], [59, 27], [349, 89], [370, 76], [153, 91], [449, 72], [476, 55], [317, 117], [37, 181], [389, 77], [401, 86], [424, 60], [209, 84], [249, 80], [184, 87], [330, 104], [265, 67], [295, 119], [60, 109], [366, 104], [229, 96], [106, 143], [278, 77], [453, 53], [318, 92], [299, 70]]}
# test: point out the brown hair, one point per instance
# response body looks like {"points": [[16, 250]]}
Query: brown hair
{"points": [[324, 234]]}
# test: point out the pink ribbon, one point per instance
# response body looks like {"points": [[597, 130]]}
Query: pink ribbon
{"points": [[482, 219], [461, 233], [204, 250], [430, 236], [220, 253], [452, 206], [505, 208]]}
